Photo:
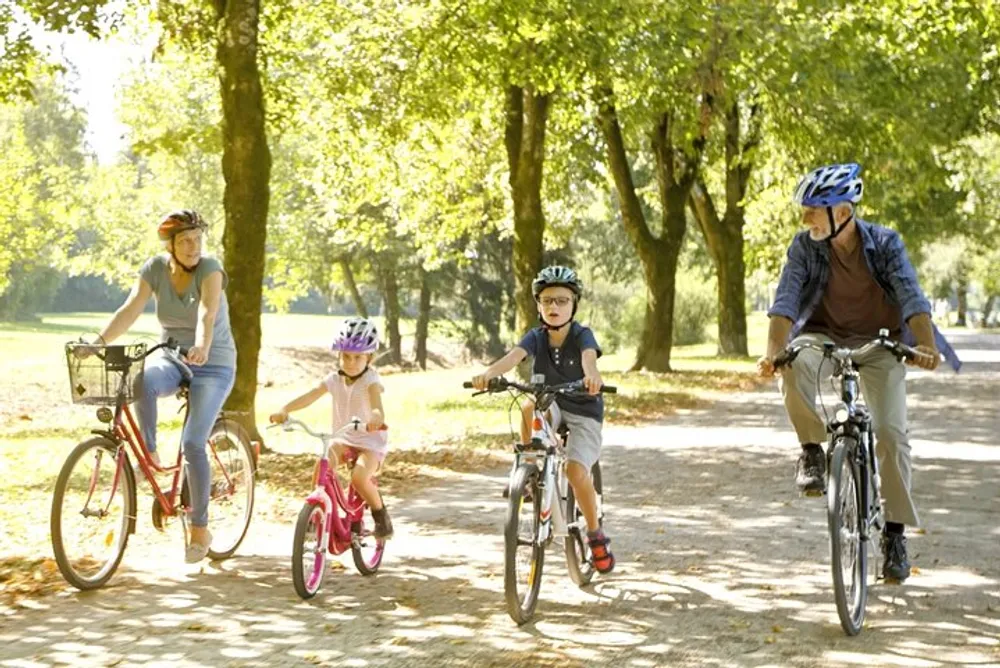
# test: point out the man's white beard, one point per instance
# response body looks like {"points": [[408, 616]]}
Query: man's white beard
{"points": [[818, 235]]}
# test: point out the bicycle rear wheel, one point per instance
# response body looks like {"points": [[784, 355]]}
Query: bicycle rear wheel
{"points": [[93, 513], [524, 556], [308, 553], [848, 552], [366, 550], [579, 561], [232, 490]]}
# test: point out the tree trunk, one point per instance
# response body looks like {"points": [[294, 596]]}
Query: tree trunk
{"points": [[352, 285], [988, 310], [246, 168], [658, 255], [527, 113], [724, 236], [423, 319], [386, 266], [962, 288]]}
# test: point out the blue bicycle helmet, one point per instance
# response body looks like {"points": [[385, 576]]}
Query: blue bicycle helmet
{"points": [[830, 185]]}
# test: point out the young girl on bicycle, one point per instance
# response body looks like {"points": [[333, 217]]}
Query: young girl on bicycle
{"points": [[357, 395]]}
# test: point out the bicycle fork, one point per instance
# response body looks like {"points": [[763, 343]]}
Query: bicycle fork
{"points": [[871, 496]]}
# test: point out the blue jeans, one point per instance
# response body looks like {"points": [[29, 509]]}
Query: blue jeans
{"points": [[209, 388]]}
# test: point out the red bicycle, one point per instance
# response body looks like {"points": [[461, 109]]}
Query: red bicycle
{"points": [[94, 503], [331, 522]]}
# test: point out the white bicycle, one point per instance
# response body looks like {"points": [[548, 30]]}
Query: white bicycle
{"points": [[541, 504]]}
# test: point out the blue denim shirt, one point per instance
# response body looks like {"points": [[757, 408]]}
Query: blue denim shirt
{"points": [[804, 277]]}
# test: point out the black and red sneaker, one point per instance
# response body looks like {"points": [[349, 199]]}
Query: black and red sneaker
{"points": [[603, 559]]}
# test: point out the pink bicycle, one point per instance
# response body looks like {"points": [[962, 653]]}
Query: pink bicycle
{"points": [[331, 522]]}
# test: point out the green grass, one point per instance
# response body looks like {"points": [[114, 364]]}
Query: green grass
{"points": [[433, 421], [421, 408]]}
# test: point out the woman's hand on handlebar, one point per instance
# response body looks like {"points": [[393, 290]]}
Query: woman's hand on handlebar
{"points": [[279, 417], [196, 355]]}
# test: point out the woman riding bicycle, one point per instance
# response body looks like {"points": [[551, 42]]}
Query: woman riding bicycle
{"points": [[192, 309]]}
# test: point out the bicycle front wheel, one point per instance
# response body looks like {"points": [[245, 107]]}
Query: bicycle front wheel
{"points": [[93, 512], [524, 555], [232, 491], [579, 560], [848, 552], [308, 551]]}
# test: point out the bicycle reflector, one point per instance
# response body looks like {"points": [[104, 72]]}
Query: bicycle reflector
{"points": [[104, 414], [537, 424], [841, 414]]}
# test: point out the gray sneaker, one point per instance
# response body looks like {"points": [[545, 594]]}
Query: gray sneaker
{"points": [[195, 552], [810, 471]]}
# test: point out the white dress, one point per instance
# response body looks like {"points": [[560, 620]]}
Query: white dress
{"points": [[352, 401]]}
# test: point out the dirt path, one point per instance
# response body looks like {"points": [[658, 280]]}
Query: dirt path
{"points": [[720, 564]]}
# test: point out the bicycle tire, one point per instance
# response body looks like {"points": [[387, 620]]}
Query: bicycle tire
{"points": [[309, 524], [848, 552], [69, 563], [225, 541], [579, 561], [524, 491]]}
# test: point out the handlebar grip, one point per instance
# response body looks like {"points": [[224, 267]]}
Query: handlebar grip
{"points": [[609, 389], [784, 358], [183, 352], [467, 385]]}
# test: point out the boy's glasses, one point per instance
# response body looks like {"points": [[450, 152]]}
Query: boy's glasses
{"points": [[558, 301]]}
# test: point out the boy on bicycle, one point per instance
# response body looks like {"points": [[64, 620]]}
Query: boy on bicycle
{"points": [[564, 351]]}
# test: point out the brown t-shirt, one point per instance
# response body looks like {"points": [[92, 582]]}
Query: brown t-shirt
{"points": [[854, 307]]}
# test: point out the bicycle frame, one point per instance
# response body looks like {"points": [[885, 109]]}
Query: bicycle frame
{"points": [[854, 422], [543, 452], [548, 446], [858, 428], [329, 494], [125, 430], [337, 528]]}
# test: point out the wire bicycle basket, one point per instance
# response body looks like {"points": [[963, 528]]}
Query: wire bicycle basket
{"points": [[98, 374]]}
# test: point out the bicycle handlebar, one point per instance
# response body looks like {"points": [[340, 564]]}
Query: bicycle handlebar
{"points": [[829, 350], [500, 384], [291, 423]]}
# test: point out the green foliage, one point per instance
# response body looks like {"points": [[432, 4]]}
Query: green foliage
{"points": [[42, 168]]}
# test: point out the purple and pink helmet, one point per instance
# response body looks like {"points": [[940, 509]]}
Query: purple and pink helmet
{"points": [[356, 335]]}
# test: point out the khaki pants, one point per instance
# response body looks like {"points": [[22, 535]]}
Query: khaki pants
{"points": [[883, 385]]}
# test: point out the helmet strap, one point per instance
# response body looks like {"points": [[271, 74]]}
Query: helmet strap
{"points": [[351, 378], [834, 230], [556, 328], [187, 269]]}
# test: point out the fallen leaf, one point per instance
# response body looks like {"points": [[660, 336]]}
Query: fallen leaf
{"points": [[777, 629], [770, 640]]}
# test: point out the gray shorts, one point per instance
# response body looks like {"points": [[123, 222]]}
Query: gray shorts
{"points": [[584, 445]]}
